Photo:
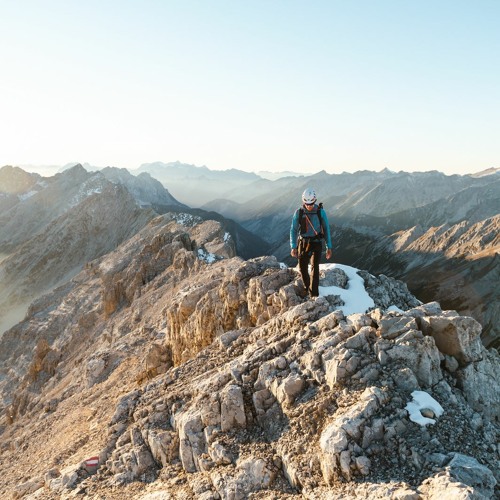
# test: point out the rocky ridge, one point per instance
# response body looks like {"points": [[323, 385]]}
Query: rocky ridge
{"points": [[53, 226], [191, 373], [376, 215]]}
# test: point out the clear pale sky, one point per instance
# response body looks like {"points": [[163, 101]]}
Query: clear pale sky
{"points": [[252, 84]]}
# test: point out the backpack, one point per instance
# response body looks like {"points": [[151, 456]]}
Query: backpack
{"points": [[302, 221]]}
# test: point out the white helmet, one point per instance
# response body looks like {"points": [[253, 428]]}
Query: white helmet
{"points": [[309, 196]]}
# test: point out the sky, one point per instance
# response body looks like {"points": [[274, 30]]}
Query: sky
{"points": [[256, 85]]}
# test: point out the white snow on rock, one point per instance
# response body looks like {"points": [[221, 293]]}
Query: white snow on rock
{"points": [[186, 219], [423, 401], [355, 297], [25, 196], [395, 309], [208, 257]]}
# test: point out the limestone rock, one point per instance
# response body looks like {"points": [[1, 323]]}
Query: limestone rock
{"points": [[458, 336], [251, 476], [469, 471], [348, 425], [290, 388], [232, 408], [392, 327], [478, 381], [421, 357], [443, 485], [219, 454], [334, 277], [464, 478], [387, 292], [192, 442], [164, 445], [28, 487]]}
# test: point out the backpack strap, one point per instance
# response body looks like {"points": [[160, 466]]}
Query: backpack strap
{"points": [[303, 220], [320, 207]]}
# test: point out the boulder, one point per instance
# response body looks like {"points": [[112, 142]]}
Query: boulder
{"points": [[333, 277], [145, 461], [469, 471], [345, 428], [480, 383], [252, 475], [391, 327], [420, 356], [164, 445], [290, 388], [28, 487], [192, 441], [458, 336], [232, 408], [443, 486]]}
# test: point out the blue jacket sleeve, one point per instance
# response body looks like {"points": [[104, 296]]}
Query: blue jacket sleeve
{"points": [[294, 230], [326, 228]]}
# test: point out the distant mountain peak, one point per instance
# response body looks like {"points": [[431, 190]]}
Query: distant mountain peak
{"points": [[488, 171]]}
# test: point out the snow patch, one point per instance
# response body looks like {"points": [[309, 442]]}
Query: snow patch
{"points": [[25, 196], [208, 257], [395, 309], [186, 219], [85, 192], [356, 299], [227, 237], [423, 401]]}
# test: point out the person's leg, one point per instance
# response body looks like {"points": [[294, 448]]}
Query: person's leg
{"points": [[316, 257], [304, 269]]}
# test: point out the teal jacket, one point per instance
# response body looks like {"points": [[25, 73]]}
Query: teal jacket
{"points": [[311, 225]]}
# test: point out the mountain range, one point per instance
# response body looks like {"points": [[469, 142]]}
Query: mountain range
{"points": [[439, 233], [170, 367], [158, 350], [50, 227]]}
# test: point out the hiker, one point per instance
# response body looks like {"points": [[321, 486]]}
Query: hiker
{"points": [[309, 228]]}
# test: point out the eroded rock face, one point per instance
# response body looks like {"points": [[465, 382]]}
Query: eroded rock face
{"points": [[217, 380], [243, 295], [478, 381]]}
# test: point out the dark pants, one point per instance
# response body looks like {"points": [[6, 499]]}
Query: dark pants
{"points": [[310, 252]]}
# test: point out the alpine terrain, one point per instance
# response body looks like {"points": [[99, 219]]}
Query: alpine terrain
{"points": [[50, 227], [438, 233], [170, 367]]}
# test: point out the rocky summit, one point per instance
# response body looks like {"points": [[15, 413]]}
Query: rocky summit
{"points": [[170, 368]]}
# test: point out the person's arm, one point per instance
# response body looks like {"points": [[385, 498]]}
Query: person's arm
{"points": [[294, 233], [326, 232]]}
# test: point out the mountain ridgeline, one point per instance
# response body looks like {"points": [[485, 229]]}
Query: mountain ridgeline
{"points": [[50, 227], [438, 233]]}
